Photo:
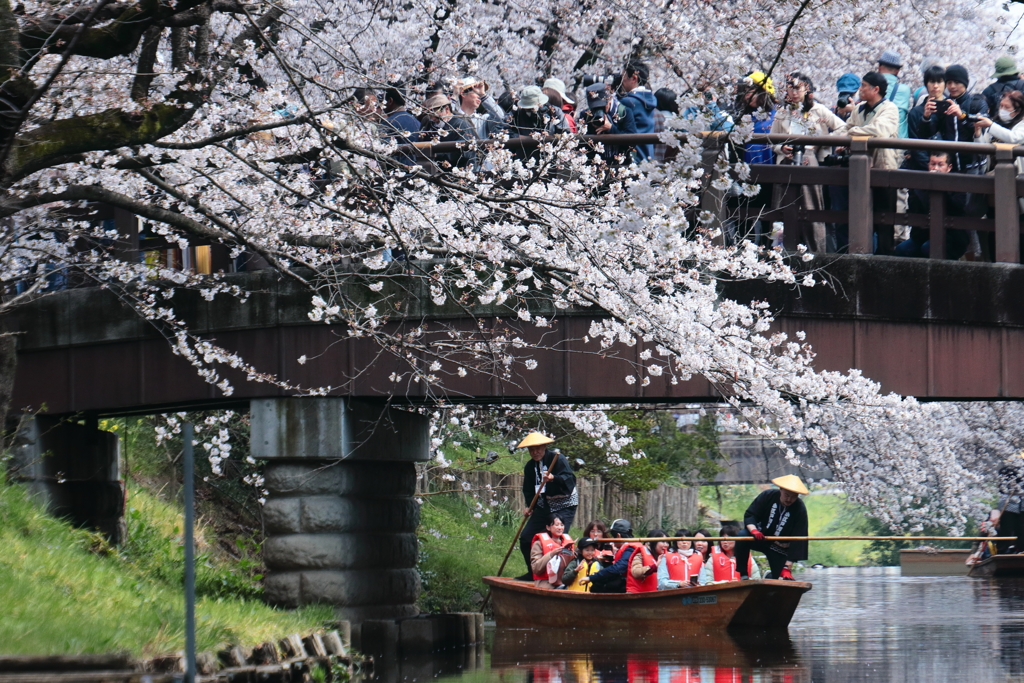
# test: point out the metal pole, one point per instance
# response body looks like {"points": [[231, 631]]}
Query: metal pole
{"points": [[190, 560]]}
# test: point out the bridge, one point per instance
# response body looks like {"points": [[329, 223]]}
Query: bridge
{"points": [[340, 469]]}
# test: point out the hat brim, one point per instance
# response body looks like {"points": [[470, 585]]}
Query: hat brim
{"points": [[791, 483], [535, 439]]}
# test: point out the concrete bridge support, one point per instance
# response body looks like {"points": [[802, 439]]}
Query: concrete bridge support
{"points": [[75, 470], [340, 515]]}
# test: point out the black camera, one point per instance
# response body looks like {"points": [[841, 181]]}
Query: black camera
{"points": [[842, 160], [844, 101], [607, 79], [941, 106]]}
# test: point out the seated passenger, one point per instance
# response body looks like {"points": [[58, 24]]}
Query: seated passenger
{"points": [[701, 553], [584, 565], [613, 578], [546, 547], [605, 551], [721, 566], [675, 569], [643, 568]]}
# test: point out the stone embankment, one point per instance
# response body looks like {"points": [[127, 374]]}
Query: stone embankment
{"points": [[291, 660]]}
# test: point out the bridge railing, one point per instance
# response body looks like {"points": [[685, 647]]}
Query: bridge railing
{"points": [[1001, 185]]}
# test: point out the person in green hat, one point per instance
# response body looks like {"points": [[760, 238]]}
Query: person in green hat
{"points": [[1007, 78], [547, 472]]}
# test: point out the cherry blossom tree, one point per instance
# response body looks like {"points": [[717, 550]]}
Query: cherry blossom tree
{"points": [[240, 124]]}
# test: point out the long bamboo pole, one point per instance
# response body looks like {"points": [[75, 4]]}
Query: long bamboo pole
{"points": [[515, 539], [810, 538]]}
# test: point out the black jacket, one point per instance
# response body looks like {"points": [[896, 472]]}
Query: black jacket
{"points": [[955, 129], [563, 484], [769, 515], [995, 91]]}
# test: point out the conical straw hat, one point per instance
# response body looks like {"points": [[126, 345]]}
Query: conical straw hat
{"points": [[791, 482], [535, 439]]}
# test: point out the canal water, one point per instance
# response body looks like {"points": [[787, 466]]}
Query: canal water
{"points": [[857, 624]]}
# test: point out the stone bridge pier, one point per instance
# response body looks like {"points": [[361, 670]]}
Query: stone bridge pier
{"points": [[340, 515]]}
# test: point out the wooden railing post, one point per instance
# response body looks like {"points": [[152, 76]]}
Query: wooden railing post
{"points": [[1007, 215], [861, 209], [937, 225]]}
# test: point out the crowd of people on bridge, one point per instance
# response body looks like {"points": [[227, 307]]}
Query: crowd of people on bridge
{"points": [[609, 560], [938, 105]]}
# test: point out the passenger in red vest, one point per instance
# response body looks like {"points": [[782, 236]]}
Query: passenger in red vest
{"points": [[680, 568], [721, 566], [643, 567], [546, 547]]}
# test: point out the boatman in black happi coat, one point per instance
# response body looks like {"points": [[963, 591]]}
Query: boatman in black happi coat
{"points": [[549, 472], [776, 512]]}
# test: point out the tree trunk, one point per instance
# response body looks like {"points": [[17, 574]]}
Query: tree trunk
{"points": [[8, 364]]}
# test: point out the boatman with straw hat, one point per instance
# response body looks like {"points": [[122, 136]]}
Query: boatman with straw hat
{"points": [[776, 512], [548, 477]]}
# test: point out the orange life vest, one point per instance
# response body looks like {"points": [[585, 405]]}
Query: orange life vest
{"points": [[725, 566], [640, 585], [696, 561], [547, 544], [678, 567]]}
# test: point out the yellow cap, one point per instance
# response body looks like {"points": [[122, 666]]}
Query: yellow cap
{"points": [[791, 482], [764, 82], [535, 439]]}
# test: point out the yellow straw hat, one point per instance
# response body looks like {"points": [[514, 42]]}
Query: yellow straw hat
{"points": [[791, 482], [535, 439]]}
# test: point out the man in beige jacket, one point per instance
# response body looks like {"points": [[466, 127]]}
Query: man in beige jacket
{"points": [[877, 117]]}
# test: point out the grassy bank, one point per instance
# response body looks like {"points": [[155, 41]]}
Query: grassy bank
{"points": [[66, 591]]}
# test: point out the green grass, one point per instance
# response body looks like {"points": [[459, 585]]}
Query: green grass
{"points": [[455, 551], [828, 515], [66, 591]]}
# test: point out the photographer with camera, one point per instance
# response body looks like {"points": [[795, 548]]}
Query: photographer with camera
{"points": [[801, 115], [934, 103], [954, 122], [877, 117], [605, 115]]}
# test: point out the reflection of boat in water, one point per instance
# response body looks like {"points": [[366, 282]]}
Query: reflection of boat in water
{"points": [[584, 656], [999, 566], [763, 604]]}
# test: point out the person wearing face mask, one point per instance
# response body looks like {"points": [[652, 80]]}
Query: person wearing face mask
{"points": [[1009, 124]]}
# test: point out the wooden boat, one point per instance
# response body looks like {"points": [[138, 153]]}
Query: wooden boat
{"points": [[764, 604], [934, 562], [999, 566]]}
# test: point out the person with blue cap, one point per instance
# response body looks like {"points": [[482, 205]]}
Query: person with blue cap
{"points": [[847, 87], [889, 65]]}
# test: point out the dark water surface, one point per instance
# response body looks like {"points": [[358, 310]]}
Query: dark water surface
{"points": [[866, 624]]}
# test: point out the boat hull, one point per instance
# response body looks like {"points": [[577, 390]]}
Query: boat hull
{"points": [[999, 566], [735, 604], [934, 563]]}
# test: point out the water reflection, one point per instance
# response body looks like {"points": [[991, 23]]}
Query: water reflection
{"points": [[856, 625]]}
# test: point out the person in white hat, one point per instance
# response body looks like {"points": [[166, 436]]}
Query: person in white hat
{"points": [[776, 512], [547, 472], [477, 106]]}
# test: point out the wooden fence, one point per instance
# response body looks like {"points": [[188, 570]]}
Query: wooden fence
{"points": [[599, 499]]}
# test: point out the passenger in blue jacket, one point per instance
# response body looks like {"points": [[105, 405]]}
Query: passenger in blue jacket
{"points": [[641, 101], [612, 579], [399, 123]]}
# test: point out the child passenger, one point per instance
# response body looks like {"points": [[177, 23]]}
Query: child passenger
{"points": [[585, 564], [546, 547], [721, 566], [605, 552]]}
